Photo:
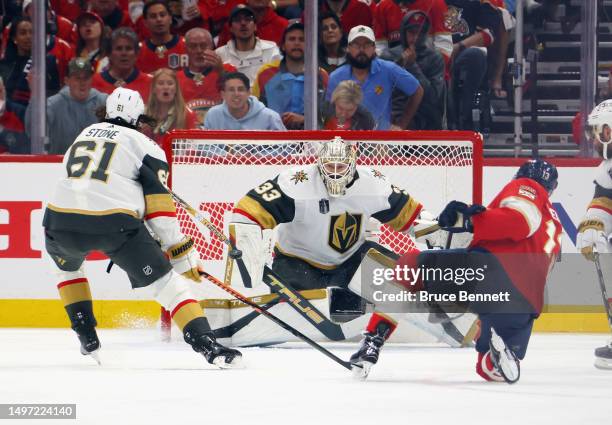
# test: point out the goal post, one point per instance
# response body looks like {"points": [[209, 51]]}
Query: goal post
{"points": [[212, 170]]}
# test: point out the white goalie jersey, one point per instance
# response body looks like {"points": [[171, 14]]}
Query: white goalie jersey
{"points": [[601, 206], [322, 230]]}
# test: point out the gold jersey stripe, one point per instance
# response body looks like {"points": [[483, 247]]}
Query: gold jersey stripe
{"points": [[95, 213], [309, 294], [186, 314], [404, 216], [255, 210], [159, 203], [75, 293], [601, 202], [312, 263]]}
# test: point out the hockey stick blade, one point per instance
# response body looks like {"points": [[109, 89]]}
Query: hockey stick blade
{"points": [[278, 321], [304, 307]]}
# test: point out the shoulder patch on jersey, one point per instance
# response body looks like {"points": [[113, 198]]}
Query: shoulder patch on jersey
{"points": [[299, 177], [528, 192], [378, 174]]}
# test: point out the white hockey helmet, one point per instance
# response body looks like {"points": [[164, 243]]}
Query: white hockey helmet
{"points": [[599, 127], [336, 161], [125, 104]]}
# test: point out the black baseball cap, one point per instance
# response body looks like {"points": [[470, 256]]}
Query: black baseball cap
{"points": [[80, 65], [241, 9]]}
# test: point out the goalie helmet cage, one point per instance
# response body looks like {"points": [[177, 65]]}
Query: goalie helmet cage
{"points": [[213, 169]]}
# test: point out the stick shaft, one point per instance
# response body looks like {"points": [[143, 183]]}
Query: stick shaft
{"points": [[276, 320], [604, 292]]}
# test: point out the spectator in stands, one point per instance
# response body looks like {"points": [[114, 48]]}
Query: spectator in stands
{"points": [[122, 70], [280, 84], [498, 51], [72, 109], [345, 112], [473, 25], [16, 65], [92, 42], [239, 110], [427, 66], [167, 106], [288, 9], [12, 132], [332, 42], [245, 51], [199, 80], [377, 78], [70, 9], [163, 49], [56, 25], [218, 15], [350, 12], [388, 18], [110, 12], [269, 24]]}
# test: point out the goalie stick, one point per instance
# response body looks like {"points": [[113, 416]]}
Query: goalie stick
{"points": [[278, 321], [300, 304]]}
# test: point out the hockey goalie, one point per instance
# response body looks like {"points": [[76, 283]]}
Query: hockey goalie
{"points": [[318, 216]]}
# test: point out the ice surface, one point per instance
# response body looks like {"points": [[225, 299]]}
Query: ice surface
{"points": [[145, 381]]}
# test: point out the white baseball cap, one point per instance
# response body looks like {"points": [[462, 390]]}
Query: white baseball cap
{"points": [[361, 31]]}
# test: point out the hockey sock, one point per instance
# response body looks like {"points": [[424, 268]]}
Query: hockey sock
{"points": [[187, 312], [76, 296], [381, 324]]}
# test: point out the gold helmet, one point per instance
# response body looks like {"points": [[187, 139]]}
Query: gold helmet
{"points": [[336, 162]]}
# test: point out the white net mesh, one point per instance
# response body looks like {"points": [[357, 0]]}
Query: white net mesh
{"points": [[213, 173]]}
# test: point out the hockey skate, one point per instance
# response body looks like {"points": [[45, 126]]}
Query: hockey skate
{"points": [[367, 356], [504, 360], [214, 353], [88, 337], [603, 356]]}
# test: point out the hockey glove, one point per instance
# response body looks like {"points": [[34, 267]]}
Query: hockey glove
{"points": [[591, 235], [456, 217], [185, 259]]}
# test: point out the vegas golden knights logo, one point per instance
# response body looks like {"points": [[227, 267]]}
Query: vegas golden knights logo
{"points": [[344, 231]]}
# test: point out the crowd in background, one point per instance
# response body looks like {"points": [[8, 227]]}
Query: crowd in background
{"points": [[239, 64]]}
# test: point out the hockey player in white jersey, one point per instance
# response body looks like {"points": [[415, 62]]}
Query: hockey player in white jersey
{"points": [[115, 181], [596, 225], [320, 212]]}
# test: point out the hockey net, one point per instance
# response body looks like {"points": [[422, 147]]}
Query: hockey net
{"points": [[213, 170]]}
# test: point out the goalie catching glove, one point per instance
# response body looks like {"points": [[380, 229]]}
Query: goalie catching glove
{"points": [[185, 259], [591, 234]]}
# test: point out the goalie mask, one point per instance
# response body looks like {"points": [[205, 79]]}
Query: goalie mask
{"points": [[336, 162], [125, 104], [598, 129]]}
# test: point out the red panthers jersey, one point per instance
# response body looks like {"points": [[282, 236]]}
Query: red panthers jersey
{"points": [[200, 91], [354, 12], [523, 230], [139, 81], [388, 18], [169, 55]]}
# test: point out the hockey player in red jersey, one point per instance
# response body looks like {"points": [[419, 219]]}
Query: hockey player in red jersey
{"points": [[515, 241]]}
